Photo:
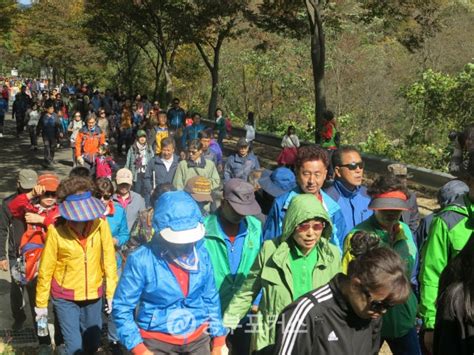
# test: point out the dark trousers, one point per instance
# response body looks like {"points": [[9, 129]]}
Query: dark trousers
{"points": [[33, 136], [139, 187], [125, 137], [20, 122], [201, 346], [238, 341], [405, 345], [2, 122], [81, 324], [49, 148]]}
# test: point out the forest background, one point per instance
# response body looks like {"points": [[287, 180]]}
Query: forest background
{"points": [[398, 74]]}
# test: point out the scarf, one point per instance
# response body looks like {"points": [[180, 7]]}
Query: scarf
{"points": [[140, 160], [186, 258]]}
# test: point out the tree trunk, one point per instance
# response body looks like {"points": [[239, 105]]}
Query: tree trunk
{"points": [[214, 92], [318, 58]]}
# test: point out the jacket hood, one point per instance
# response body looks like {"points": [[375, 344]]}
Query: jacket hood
{"points": [[302, 208]]}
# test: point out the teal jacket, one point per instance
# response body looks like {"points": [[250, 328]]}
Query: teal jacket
{"points": [[216, 247], [271, 272], [399, 320], [448, 234]]}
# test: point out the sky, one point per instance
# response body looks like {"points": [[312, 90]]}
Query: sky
{"points": [[25, 2]]}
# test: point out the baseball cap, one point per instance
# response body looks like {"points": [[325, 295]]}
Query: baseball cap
{"points": [[141, 133], [242, 142], [27, 178], [177, 218], [50, 181], [124, 176], [200, 188], [240, 195]]}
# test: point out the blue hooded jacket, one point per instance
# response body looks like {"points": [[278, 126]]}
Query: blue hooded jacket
{"points": [[273, 224], [149, 296], [354, 204]]}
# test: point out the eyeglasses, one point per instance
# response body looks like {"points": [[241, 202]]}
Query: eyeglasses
{"points": [[304, 227], [103, 196], [353, 166], [49, 194], [376, 306]]}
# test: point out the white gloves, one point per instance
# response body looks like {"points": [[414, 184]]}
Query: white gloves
{"points": [[80, 161], [108, 306], [41, 312]]}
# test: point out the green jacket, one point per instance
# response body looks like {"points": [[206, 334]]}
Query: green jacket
{"points": [[448, 234], [399, 320], [271, 272], [205, 168], [217, 249]]}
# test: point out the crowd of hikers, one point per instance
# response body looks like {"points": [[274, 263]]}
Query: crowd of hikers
{"points": [[183, 249]]}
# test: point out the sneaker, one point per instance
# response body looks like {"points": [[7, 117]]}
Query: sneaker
{"points": [[45, 349], [1, 135], [18, 324]]}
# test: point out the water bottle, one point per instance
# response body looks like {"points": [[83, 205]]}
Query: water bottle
{"points": [[43, 326]]}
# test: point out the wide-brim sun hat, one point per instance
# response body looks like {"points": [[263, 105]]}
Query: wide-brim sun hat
{"points": [[177, 218], [392, 200], [277, 182], [81, 207]]}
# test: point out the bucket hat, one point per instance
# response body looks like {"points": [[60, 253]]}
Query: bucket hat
{"points": [[392, 200], [278, 181], [177, 218], [81, 207], [241, 196]]}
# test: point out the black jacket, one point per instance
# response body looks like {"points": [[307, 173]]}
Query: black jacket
{"points": [[11, 229], [454, 332], [322, 322]]}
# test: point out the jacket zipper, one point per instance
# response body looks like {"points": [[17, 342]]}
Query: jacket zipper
{"points": [[85, 268]]}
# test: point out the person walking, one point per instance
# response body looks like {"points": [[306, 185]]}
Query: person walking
{"points": [[77, 257], [170, 281], [287, 267], [344, 316]]}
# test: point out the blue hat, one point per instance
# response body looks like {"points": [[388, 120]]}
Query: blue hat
{"points": [[81, 207], [177, 218], [278, 182]]}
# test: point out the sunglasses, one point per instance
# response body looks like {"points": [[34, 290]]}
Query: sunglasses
{"points": [[353, 166], [377, 306], [105, 197], [102, 113], [304, 227], [192, 152], [49, 194]]}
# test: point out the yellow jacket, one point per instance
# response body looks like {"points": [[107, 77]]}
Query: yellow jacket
{"points": [[73, 272], [160, 135]]}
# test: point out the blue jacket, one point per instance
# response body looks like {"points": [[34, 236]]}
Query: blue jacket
{"points": [[190, 133], [354, 204], [240, 167], [273, 224], [119, 229], [149, 297]]}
